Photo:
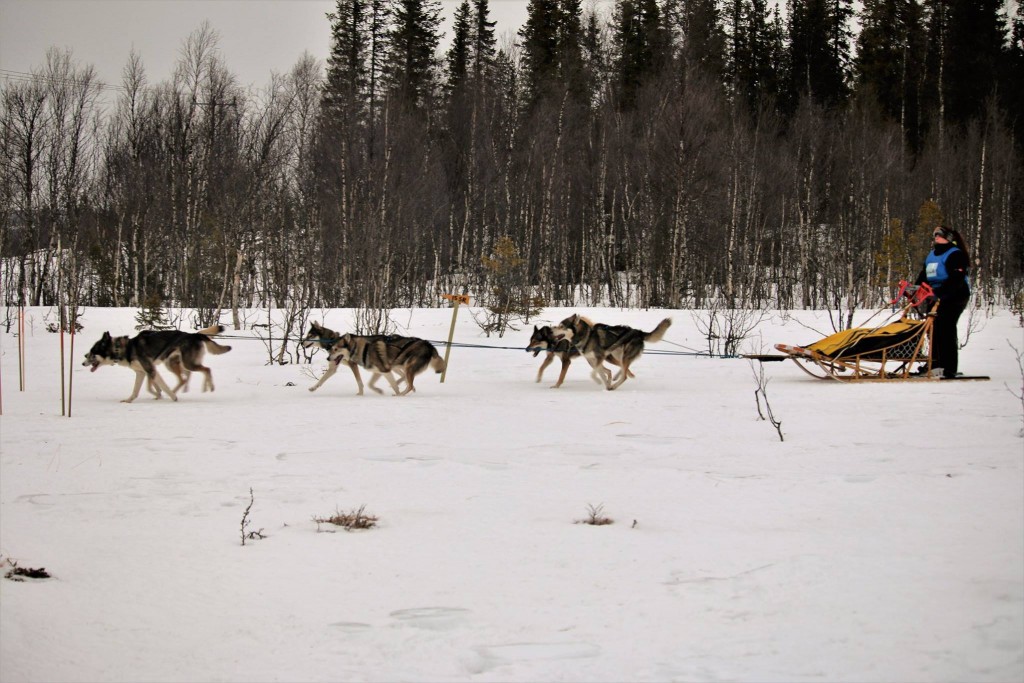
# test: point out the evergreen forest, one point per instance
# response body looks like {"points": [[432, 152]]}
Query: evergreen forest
{"points": [[660, 153]]}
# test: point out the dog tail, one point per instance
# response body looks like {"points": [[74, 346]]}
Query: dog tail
{"points": [[212, 346], [215, 348], [658, 332]]}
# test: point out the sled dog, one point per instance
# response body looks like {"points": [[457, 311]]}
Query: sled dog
{"points": [[382, 355], [329, 340], [326, 338], [413, 358], [181, 352], [598, 342], [543, 339]]}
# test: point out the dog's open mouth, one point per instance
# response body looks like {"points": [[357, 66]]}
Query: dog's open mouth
{"points": [[94, 365]]}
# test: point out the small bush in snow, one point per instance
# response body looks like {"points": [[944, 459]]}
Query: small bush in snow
{"points": [[16, 573], [246, 532], [349, 521], [595, 516]]}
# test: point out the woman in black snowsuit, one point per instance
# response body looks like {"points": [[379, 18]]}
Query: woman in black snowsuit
{"points": [[946, 271]]}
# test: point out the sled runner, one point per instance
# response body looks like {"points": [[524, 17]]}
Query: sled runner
{"points": [[890, 351]]}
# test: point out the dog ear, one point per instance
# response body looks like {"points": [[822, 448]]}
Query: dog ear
{"points": [[106, 335], [535, 329]]}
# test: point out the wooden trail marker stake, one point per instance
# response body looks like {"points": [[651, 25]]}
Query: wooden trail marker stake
{"points": [[458, 299], [21, 348]]}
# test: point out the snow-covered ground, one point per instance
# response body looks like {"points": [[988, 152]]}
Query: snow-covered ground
{"points": [[883, 540]]}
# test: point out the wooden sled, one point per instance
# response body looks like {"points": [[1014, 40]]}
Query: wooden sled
{"points": [[890, 351]]}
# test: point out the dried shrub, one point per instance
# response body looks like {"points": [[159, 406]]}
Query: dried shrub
{"points": [[246, 532], [17, 573], [349, 521], [595, 516]]}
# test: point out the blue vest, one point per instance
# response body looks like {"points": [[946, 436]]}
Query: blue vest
{"points": [[935, 269]]}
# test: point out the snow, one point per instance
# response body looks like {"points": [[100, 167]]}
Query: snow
{"points": [[883, 540]]}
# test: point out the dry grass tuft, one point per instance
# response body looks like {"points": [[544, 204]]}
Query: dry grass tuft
{"points": [[595, 516], [349, 521], [17, 573]]}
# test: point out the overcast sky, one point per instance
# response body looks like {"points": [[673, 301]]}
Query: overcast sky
{"points": [[256, 36]]}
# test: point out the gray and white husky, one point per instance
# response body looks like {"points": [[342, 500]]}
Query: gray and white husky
{"points": [[181, 352], [383, 355], [543, 339], [598, 342]]}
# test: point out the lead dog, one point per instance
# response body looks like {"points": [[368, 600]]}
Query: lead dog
{"points": [[179, 351], [597, 343], [543, 339]]}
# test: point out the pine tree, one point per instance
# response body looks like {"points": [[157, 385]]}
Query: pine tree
{"points": [[755, 52], [890, 64], [458, 56], [700, 36], [507, 87], [482, 51], [413, 42], [554, 61], [818, 57], [572, 64], [932, 92], [977, 39], [737, 61], [378, 28], [539, 41], [152, 315], [593, 52], [640, 38], [346, 65], [766, 52]]}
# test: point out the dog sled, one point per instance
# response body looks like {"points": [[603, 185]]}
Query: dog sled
{"points": [[897, 349]]}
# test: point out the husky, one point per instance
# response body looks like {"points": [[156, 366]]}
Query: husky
{"points": [[382, 355], [543, 339], [412, 359], [326, 338], [181, 352], [598, 342]]}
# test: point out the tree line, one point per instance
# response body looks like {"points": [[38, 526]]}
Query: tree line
{"points": [[671, 153]]}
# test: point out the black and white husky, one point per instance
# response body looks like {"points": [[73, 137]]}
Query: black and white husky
{"points": [[383, 355], [181, 352], [618, 344]]}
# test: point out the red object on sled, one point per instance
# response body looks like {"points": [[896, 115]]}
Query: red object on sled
{"points": [[917, 294]]}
